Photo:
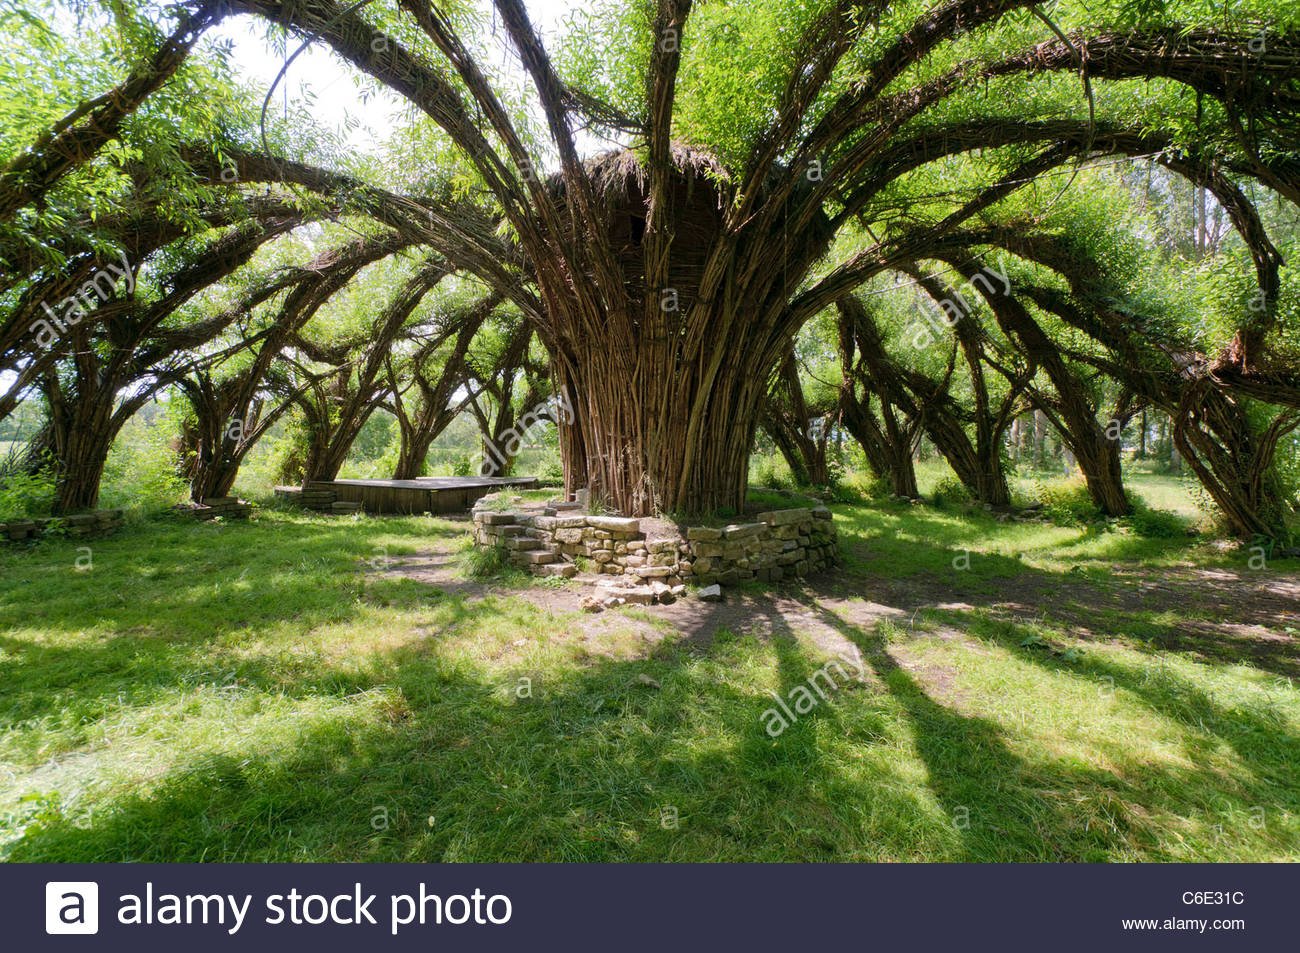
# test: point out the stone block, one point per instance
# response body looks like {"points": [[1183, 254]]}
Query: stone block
{"points": [[782, 517], [638, 595], [703, 534], [743, 530], [562, 570], [623, 524]]}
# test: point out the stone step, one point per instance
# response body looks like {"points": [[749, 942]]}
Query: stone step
{"points": [[540, 557], [562, 570]]}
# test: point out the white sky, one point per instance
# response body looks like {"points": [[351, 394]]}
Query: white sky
{"points": [[336, 86]]}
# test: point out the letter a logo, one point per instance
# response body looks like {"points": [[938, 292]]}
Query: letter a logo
{"points": [[71, 907]]}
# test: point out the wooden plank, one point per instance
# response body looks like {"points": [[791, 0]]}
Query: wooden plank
{"points": [[425, 495]]}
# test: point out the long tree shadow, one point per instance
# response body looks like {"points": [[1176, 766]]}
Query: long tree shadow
{"points": [[594, 764], [1005, 808], [180, 626], [1260, 738], [1188, 619]]}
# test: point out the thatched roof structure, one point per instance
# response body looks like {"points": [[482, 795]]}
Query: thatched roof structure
{"points": [[697, 198]]}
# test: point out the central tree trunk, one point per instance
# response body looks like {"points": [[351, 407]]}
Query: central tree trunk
{"points": [[665, 318], [647, 443]]}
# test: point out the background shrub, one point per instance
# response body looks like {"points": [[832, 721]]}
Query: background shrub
{"points": [[1067, 502]]}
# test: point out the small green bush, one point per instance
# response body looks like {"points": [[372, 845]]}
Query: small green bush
{"points": [[486, 562], [24, 495], [860, 487], [771, 472], [1067, 502], [950, 491], [551, 472], [142, 472]]}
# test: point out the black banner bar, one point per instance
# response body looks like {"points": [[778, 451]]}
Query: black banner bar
{"points": [[646, 907]]}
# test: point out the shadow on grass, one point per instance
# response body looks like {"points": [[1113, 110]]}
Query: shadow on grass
{"points": [[175, 604], [593, 764], [1183, 615], [1003, 807], [1260, 738]]}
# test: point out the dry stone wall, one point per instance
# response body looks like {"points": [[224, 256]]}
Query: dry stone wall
{"points": [[557, 542], [78, 524]]}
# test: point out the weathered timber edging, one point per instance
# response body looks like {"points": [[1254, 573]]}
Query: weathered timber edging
{"points": [[423, 495]]}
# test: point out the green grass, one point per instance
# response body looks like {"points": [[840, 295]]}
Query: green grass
{"points": [[257, 692]]}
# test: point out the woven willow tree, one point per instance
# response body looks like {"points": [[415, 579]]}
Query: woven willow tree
{"points": [[766, 155]]}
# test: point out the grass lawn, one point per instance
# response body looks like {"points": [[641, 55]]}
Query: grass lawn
{"points": [[309, 688]]}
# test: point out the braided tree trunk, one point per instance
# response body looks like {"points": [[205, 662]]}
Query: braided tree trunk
{"points": [[887, 444], [1233, 461], [667, 440]]}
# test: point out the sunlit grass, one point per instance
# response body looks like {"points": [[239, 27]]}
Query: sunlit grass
{"points": [[260, 692]]}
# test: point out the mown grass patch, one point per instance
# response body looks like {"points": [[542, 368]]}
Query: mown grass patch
{"points": [[259, 692]]}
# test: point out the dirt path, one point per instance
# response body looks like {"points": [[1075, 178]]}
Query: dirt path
{"points": [[1220, 615]]}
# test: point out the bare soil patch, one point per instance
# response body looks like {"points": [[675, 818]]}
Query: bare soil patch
{"points": [[1219, 615]]}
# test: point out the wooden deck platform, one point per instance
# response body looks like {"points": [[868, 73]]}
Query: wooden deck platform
{"points": [[425, 495]]}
